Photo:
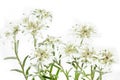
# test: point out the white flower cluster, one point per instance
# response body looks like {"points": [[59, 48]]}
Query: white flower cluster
{"points": [[85, 62]]}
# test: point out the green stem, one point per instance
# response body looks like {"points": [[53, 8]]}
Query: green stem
{"points": [[66, 74], [35, 41], [57, 73], [92, 77], [92, 73], [16, 44], [77, 74], [50, 71], [39, 68], [100, 74], [81, 42], [83, 72]]}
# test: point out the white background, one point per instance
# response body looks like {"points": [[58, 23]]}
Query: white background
{"points": [[103, 14]]}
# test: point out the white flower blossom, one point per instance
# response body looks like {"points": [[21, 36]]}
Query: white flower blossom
{"points": [[83, 31], [41, 54], [51, 40], [107, 57], [70, 49], [87, 53], [36, 21]]}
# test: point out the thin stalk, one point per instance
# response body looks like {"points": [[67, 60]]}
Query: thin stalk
{"points": [[35, 41], [83, 72], [50, 72], [77, 74], [66, 74], [16, 44], [92, 77], [57, 73], [81, 42], [40, 72], [93, 71], [100, 73]]}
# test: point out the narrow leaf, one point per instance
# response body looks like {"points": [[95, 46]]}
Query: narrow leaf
{"points": [[57, 73], [12, 57], [51, 67], [77, 74], [17, 70], [27, 71], [46, 77], [33, 78], [24, 61], [57, 66]]}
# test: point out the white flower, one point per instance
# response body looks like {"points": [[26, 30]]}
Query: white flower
{"points": [[14, 31], [70, 49], [42, 14], [7, 34], [88, 53], [41, 54], [107, 57], [83, 31], [51, 40], [36, 21]]}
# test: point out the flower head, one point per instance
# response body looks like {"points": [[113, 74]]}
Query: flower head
{"points": [[36, 21], [70, 48], [7, 34], [107, 57], [51, 40], [41, 54], [87, 53], [16, 29], [33, 26], [83, 31], [42, 14]]}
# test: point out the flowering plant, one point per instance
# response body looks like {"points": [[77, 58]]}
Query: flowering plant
{"points": [[53, 58]]}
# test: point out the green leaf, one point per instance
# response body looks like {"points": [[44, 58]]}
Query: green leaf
{"points": [[17, 70], [53, 53], [82, 64], [77, 74], [69, 62], [53, 46], [57, 66], [24, 61], [27, 71], [11, 57], [68, 71], [33, 78], [46, 77], [51, 67], [93, 69], [83, 79], [74, 65], [98, 78], [57, 73], [60, 56]]}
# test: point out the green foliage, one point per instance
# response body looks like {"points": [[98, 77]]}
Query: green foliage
{"points": [[11, 57]]}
